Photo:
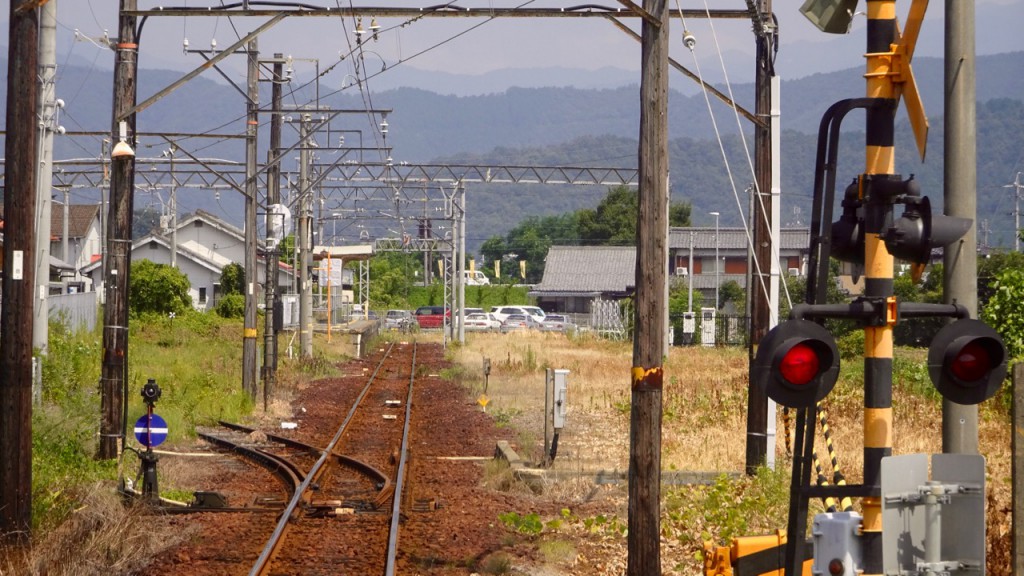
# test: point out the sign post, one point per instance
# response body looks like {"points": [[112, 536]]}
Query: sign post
{"points": [[150, 431]]}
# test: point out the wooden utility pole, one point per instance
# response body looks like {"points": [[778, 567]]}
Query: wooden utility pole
{"points": [[251, 273], [273, 197], [114, 372], [758, 290], [644, 536], [960, 260], [20, 155]]}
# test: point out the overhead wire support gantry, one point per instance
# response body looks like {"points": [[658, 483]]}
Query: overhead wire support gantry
{"points": [[448, 10]]}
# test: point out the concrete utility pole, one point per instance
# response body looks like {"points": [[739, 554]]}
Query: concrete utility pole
{"points": [[251, 273], [460, 269], [114, 373], [960, 260], [758, 290], [44, 175], [174, 208], [303, 243], [65, 226], [644, 524], [19, 276], [273, 197], [1017, 187]]}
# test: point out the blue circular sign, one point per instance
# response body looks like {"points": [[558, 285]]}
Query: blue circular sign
{"points": [[150, 430]]}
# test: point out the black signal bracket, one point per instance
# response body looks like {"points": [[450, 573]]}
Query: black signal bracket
{"points": [[891, 189], [872, 311]]}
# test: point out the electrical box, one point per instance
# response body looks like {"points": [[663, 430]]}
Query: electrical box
{"points": [[561, 393], [707, 326], [837, 550], [689, 322]]}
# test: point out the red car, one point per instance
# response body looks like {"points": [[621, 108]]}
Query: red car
{"points": [[432, 316]]}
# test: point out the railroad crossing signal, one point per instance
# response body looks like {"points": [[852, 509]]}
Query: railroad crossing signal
{"points": [[911, 237], [797, 363], [967, 361]]}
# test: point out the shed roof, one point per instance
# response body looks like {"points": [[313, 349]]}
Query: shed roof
{"points": [[589, 269]]}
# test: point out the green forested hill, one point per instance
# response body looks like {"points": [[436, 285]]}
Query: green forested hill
{"points": [[699, 175], [569, 126]]}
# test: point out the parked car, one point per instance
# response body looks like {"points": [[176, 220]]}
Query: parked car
{"points": [[557, 323], [481, 321], [399, 320], [518, 322], [432, 316], [503, 312], [535, 312]]}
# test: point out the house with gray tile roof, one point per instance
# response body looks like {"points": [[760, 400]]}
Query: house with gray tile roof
{"points": [[576, 275]]}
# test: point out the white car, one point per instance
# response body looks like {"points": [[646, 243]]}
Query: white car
{"points": [[503, 312], [481, 321]]}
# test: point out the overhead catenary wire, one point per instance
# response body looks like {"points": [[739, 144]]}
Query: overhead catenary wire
{"points": [[725, 159], [750, 162]]}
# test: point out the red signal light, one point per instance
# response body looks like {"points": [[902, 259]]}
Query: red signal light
{"points": [[967, 361], [797, 363], [972, 363], [800, 365]]}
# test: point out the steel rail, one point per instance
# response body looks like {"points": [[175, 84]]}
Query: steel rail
{"points": [[396, 505], [262, 564], [376, 476], [286, 471]]}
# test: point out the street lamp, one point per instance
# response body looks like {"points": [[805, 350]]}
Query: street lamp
{"points": [[717, 263]]}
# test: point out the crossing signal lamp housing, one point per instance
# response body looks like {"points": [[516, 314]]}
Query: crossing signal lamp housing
{"points": [[967, 361], [797, 363], [912, 236]]}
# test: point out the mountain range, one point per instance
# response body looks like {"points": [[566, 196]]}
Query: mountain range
{"points": [[576, 126]]}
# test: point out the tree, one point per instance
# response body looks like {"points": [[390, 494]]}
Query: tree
{"points": [[989, 268], [1004, 310], [232, 279], [158, 288], [391, 277], [731, 292], [529, 241], [613, 222]]}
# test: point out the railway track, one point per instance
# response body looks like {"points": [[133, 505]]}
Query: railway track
{"points": [[380, 477], [347, 489]]}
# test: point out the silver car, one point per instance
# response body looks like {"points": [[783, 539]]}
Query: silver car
{"points": [[557, 323], [399, 320], [518, 322]]}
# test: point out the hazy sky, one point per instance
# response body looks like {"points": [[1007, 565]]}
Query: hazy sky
{"points": [[476, 46]]}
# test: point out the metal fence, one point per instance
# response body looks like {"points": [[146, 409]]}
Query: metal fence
{"points": [[729, 330], [76, 311]]}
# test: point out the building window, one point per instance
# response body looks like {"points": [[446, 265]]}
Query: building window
{"points": [[202, 295]]}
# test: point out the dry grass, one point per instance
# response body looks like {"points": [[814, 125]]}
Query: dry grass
{"points": [[704, 403], [704, 419], [102, 537]]}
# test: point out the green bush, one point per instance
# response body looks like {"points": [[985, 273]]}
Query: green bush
{"points": [[158, 288], [231, 306]]}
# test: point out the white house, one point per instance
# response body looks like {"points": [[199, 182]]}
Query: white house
{"points": [[205, 245]]}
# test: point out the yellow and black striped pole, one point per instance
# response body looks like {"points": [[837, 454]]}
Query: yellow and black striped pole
{"points": [[878, 263]]}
